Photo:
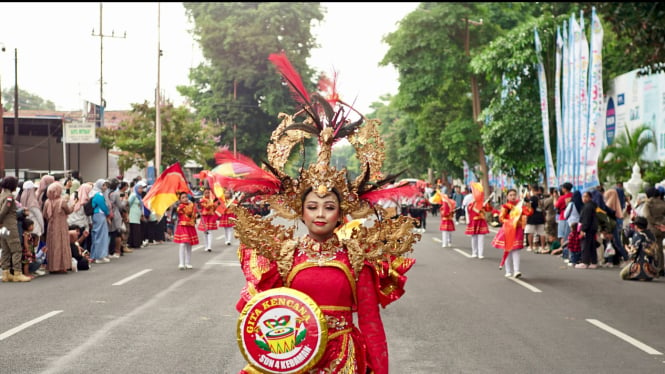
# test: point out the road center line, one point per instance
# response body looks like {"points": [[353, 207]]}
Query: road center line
{"points": [[623, 336], [120, 283], [24, 326]]}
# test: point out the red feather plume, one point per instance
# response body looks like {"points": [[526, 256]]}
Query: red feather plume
{"points": [[291, 77]]}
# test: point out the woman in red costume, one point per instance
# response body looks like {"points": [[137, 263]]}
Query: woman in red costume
{"points": [[477, 224], [511, 258], [447, 225], [208, 224], [185, 233], [349, 277]]}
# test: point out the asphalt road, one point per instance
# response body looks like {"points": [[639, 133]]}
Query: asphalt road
{"points": [[140, 314]]}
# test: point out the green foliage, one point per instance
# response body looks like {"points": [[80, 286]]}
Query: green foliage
{"points": [[26, 101], [182, 137], [238, 85], [616, 161]]}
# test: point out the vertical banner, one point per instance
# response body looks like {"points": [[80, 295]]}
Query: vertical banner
{"points": [[582, 150], [566, 107], [544, 111], [576, 68], [557, 105], [596, 103]]}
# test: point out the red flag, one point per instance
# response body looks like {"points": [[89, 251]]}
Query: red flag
{"points": [[164, 192], [240, 174]]}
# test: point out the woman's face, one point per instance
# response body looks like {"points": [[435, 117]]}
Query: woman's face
{"points": [[586, 197], [512, 196], [184, 198], [321, 215]]}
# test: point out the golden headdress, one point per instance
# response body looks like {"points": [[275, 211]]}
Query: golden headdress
{"points": [[328, 119]]}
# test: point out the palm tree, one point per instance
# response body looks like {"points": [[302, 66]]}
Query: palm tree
{"points": [[616, 160]]}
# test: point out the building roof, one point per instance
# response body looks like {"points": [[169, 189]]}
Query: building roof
{"points": [[111, 117]]}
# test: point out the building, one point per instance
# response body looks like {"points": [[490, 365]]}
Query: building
{"points": [[38, 148]]}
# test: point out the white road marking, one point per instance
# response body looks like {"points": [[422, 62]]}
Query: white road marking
{"points": [[623, 336], [224, 263], [525, 285], [24, 326], [120, 283]]}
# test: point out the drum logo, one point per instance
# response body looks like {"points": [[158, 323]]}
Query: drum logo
{"points": [[282, 331]]}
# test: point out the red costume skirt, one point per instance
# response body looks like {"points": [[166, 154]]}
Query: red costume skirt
{"points": [[499, 240], [186, 234], [225, 220], [447, 224], [208, 222]]}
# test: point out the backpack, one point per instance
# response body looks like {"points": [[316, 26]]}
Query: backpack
{"points": [[88, 208]]}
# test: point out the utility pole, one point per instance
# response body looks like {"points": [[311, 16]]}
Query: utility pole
{"points": [[16, 113], [475, 102], [102, 102], [158, 104]]}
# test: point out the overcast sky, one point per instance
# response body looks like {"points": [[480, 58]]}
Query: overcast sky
{"points": [[59, 57]]}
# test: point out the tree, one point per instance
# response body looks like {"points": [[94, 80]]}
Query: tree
{"points": [[616, 161], [640, 34], [26, 101], [238, 86], [183, 137]]}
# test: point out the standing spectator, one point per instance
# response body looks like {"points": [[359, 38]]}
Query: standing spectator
{"points": [[550, 213], [208, 224], [135, 203], [611, 198], [560, 205], [10, 241], [447, 225], [112, 197], [30, 203], [227, 218], [41, 198], [572, 217], [118, 205], [654, 212], [511, 255], [100, 230], [588, 230], [56, 209], [185, 232], [459, 198], [77, 218], [535, 223]]}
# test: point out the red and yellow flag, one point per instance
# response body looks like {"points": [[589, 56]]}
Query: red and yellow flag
{"points": [[164, 192]]}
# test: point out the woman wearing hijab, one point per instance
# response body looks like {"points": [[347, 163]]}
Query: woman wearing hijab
{"points": [[78, 217], [611, 198], [136, 216], [100, 230], [56, 209], [30, 203]]}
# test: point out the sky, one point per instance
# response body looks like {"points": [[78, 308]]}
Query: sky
{"points": [[61, 56]]}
